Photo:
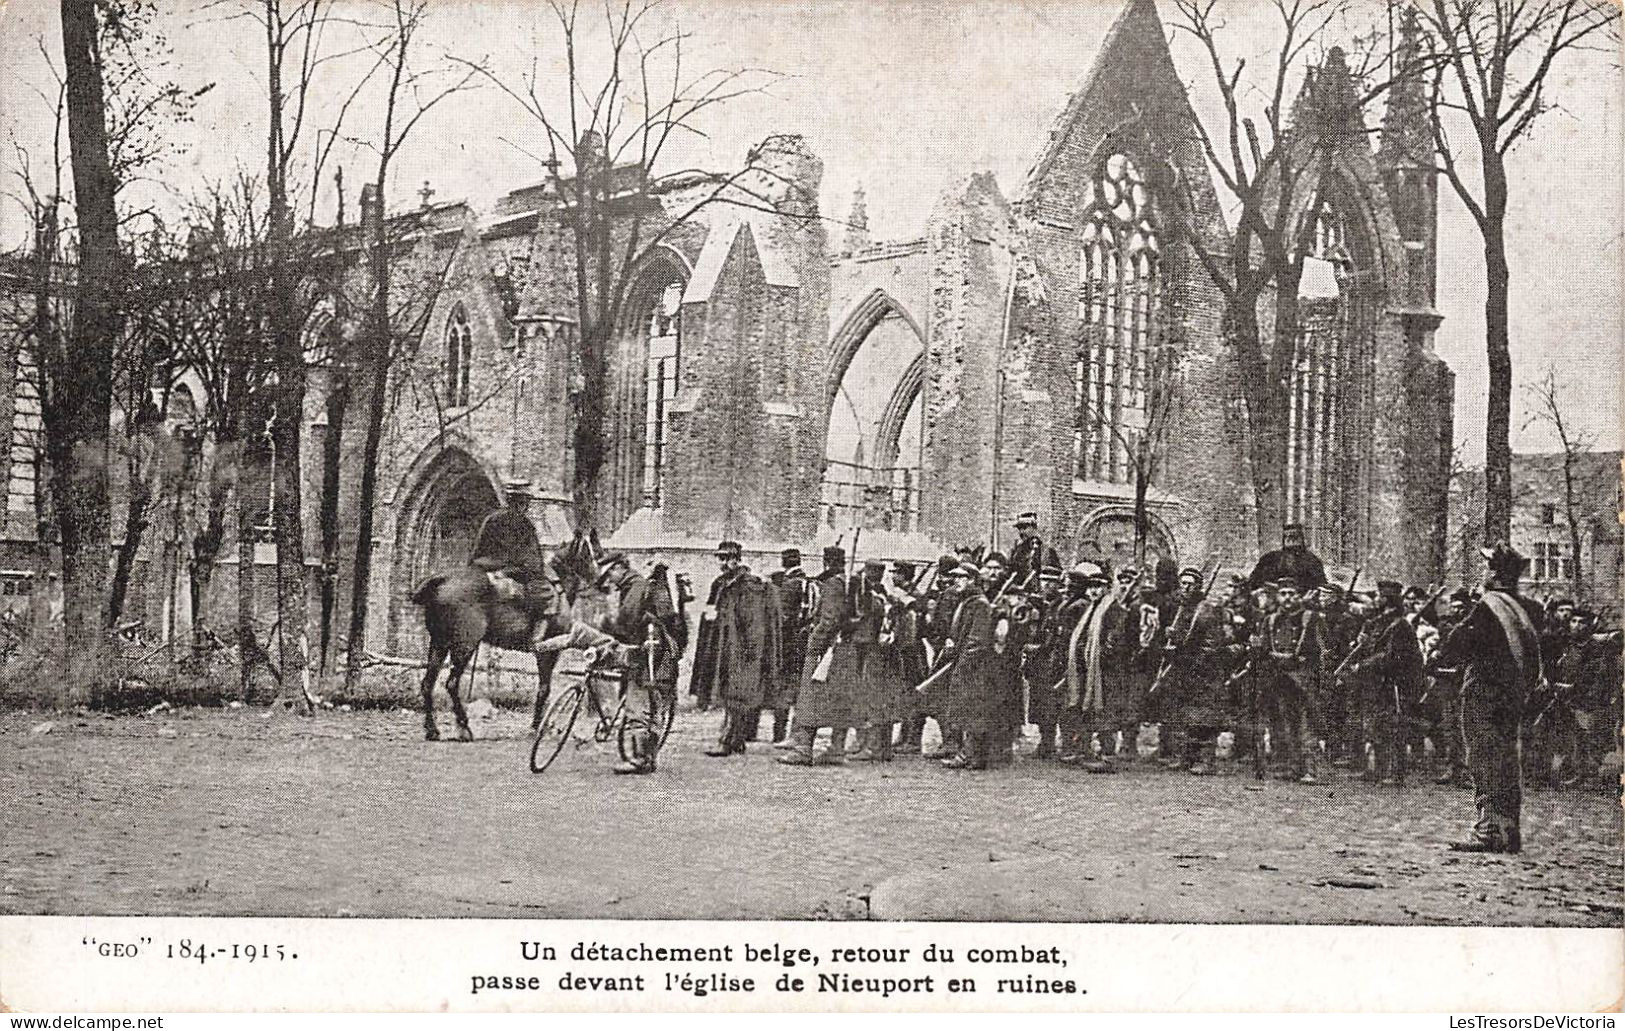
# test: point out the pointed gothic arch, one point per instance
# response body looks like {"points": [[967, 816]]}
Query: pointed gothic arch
{"points": [[855, 328]]}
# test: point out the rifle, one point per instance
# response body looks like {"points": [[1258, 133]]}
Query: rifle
{"points": [[1168, 660]]}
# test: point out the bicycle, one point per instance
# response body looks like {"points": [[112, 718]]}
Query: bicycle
{"points": [[624, 723]]}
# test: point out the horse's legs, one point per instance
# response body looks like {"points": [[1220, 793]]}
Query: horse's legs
{"points": [[460, 660], [437, 656]]}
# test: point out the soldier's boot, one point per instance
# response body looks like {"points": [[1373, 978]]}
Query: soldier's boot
{"points": [[642, 760], [835, 754], [868, 750], [781, 727], [886, 748], [909, 736], [800, 752], [728, 735], [949, 748], [751, 728], [1046, 742]]}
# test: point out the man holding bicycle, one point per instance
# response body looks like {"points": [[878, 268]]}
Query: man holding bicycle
{"points": [[645, 617]]}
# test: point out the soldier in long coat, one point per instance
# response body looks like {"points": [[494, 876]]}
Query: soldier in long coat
{"points": [[743, 664], [829, 683], [797, 598], [879, 677], [1045, 668], [1497, 647], [973, 693]]}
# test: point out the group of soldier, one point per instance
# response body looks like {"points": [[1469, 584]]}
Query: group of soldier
{"points": [[1282, 667]]}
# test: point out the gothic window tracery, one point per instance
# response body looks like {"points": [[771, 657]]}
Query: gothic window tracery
{"points": [[1118, 307], [459, 358], [660, 384], [1330, 389]]}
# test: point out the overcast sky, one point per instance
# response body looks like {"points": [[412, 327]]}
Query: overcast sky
{"points": [[907, 98]]}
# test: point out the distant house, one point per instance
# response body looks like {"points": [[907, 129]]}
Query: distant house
{"points": [[1540, 526]]}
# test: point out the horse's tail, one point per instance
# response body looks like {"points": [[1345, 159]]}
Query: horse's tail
{"points": [[426, 590]]}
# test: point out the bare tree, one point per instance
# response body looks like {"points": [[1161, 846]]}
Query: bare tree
{"points": [[1494, 61], [1547, 404], [1261, 158], [414, 89], [76, 402], [627, 98]]}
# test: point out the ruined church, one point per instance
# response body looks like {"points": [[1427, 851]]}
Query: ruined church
{"points": [[784, 379]]}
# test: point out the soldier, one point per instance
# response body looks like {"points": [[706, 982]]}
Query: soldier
{"points": [[1293, 559], [745, 647], [904, 637], [941, 603], [1387, 668], [644, 617], [1446, 687], [507, 543], [1014, 619], [877, 676], [829, 689], [972, 691], [797, 601], [1339, 629], [1498, 647], [1030, 554], [1188, 680], [1095, 678], [1045, 665], [1296, 644]]}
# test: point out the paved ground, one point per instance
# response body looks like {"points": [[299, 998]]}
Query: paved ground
{"points": [[253, 812]]}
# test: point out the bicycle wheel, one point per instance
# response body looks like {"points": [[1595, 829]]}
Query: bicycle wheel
{"points": [[555, 729]]}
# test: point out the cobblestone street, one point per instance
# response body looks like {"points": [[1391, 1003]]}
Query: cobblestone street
{"points": [[256, 812]]}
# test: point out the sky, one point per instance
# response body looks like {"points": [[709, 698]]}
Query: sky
{"points": [[907, 98]]}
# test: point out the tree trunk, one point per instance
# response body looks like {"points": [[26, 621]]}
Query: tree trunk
{"points": [[206, 546], [289, 529], [78, 411], [252, 477], [1498, 415], [1266, 421], [1572, 514], [338, 401], [591, 431], [135, 527], [377, 359]]}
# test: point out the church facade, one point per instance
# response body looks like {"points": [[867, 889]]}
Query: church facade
{"points": [[784, 380]]}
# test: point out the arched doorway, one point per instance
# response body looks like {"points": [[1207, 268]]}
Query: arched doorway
{"points": [[1106, 535], [435, 533], [875, 380]]}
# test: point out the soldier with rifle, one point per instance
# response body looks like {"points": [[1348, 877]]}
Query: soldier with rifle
{"points": [[1186, 688], [1296, 644], [1386, 668]]}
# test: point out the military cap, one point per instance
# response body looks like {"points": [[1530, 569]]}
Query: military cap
{"points": [[1413, 592], [1236, 580], [996, 556], [834, 553], [1026, 519], [874, 565], [966, 569], [1581, 612], [1286, 583], [905, 569], [1128, 574], [730, 549], [1462, 595], [1504, 560], [1049, 573], [1331, 588], [790, 557], [947, 564], [514, 485], [1389, 590], [1560, 602], [1191, 573], [1087, 571], [967, 549]]}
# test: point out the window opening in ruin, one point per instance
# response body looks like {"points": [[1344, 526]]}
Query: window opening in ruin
{"points": [[1119, 305], [23, 483], [459, 358], [1328, 452], [660, 385]]}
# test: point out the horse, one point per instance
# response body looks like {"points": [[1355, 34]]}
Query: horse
{"points": [[465, 608]]}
